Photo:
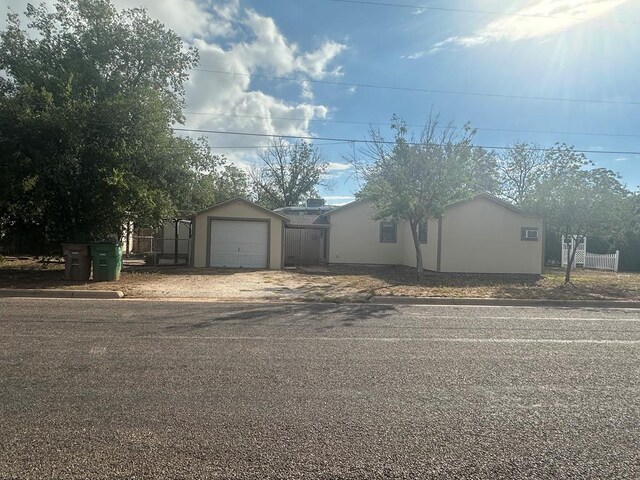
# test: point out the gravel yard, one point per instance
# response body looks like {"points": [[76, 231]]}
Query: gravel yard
{"points": [[326, 284]]}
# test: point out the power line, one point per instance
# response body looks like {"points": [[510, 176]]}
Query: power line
{"points": [[423, 90], [382, 124], [493, 13], [351, 140], [255, 147]]}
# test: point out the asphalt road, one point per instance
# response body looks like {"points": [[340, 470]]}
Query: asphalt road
{"points": [[141, 389]]}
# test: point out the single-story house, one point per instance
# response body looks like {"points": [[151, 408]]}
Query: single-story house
{"points": [[481, 234]]}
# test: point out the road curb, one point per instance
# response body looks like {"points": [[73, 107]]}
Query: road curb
{"points": [[506, 302], [57, 293]]}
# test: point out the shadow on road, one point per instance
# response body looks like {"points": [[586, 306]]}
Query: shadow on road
{"points": [[326, 316]]}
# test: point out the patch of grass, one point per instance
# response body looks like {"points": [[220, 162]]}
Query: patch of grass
{"points": [[402, 281], [30, 273], [585, 285]]}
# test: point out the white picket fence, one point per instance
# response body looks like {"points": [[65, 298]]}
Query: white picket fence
{"points": [[589, 260], [602, 261]]}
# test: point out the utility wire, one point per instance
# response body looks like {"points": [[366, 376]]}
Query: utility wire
{"points": [[423, 90], [267, 146], [492, 13], [353, 141], [382, 124]]}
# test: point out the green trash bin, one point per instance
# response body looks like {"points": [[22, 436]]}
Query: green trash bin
{"points": [[107, 261], [77, 261]]}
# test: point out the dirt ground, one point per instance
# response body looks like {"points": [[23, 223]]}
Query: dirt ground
{"points": [[325, 284]]}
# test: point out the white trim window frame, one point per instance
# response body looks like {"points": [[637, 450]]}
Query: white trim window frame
{"points": [[531, 234]]}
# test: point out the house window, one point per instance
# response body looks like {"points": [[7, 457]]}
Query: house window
{"points": [[422, 232], [388, 232], [529, 233]]}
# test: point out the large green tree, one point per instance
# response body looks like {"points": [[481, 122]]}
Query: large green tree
{"points": [[523, 165], [214, 180], [414, 179], [577, 201], [87, 103]]}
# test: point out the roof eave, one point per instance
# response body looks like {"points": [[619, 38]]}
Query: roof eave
{"points": [[246, 202]]}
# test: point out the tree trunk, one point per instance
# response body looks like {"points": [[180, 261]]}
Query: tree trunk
{"points": [[416, 244], [571, 256]]}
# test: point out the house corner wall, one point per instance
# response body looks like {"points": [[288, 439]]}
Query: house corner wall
{"points": [[485, 237], [354, 238]]}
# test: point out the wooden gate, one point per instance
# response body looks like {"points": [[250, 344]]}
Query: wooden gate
{"points": [[304, 246]]}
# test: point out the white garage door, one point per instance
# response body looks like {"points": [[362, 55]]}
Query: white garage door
{"points": [[238, 244]]}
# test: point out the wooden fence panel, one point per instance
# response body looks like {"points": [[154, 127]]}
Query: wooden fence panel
{"points": [[304, 246]]}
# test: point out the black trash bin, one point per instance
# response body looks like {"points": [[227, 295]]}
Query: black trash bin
{"points": [[77, 261]]}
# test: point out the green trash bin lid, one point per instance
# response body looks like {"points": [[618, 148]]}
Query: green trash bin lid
{"points": [[106, 249]]}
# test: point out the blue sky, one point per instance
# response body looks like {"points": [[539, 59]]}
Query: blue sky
{"points": [[588, 50]]}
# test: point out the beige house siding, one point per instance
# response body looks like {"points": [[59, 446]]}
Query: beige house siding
{"points": [[478, 236], [429, 250], [481, 236], [354, 237], [236, 210]]}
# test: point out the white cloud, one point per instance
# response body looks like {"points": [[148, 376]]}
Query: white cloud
{"points": [[271, 51], [329, 177], [532, 21], [232, 105], [185, 16], [338, 166], [307, 92], [621, 159], [339, 199], [418, 11], [414, 56], [315, 63], [232, 101]]}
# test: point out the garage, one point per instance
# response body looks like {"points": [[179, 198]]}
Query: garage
{"points": [[239, 244], [237, 234]]}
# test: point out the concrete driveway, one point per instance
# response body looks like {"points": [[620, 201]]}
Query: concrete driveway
{"points": [[144, 389]]}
